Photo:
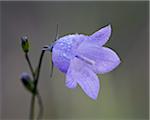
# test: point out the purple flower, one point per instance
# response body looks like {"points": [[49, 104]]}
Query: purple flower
{"points": [[81, 57]]}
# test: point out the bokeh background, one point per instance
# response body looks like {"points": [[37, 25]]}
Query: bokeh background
{"points": [[124, 92]]}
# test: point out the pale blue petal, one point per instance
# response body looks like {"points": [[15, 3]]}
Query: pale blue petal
{"points": [[102, 36], [60, 62], [71, 82], [105, 59], [63, 50], [79, 72]]}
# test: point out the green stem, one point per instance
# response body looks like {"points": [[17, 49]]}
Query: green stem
{"points": [[35, 92], [38, 70], [41, 109], [36, 78], [31, 116], [29, 63], [51, 72], [40, 105], [32, 107]]}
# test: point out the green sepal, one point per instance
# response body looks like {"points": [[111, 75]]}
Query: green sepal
{"points": [[25, 44]]}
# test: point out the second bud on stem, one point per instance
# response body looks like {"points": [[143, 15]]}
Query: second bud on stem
{"points": [[27, 82]]}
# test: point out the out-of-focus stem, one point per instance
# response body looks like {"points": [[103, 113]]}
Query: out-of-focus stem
{"points": [[32, 107], [40, 105]]}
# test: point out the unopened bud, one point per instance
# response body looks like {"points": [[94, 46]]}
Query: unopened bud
{"points": [[27, 82], [25, 44]]}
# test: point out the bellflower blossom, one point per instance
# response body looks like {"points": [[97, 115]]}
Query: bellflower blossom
{"points": [[81, 57]]}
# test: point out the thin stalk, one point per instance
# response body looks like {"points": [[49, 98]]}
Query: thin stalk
{"points": [[32, 107], [40, 105], [36, 78], [29, 63], [38, 70], [31, 115], [35, 93], [41, 109], [51, 72]]}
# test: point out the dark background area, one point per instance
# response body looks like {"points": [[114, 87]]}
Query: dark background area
{"points": [[124, 92]]}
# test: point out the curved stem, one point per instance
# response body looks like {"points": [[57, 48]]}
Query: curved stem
{"points": [[35, 93], [36, 78], [41, 109], [29, 63], [31, 115], [40, 105], [38, 70]]}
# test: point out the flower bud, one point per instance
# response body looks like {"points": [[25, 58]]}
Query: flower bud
{"points": [[27, 82], [25, 44]]}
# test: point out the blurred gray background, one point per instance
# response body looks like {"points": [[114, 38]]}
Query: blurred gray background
{"points": [[124, 92]]}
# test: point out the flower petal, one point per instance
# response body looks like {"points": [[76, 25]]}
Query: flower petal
{"points": [[84, 76], [60, 62], [105, 59], [71, 82], [63, 50], [102, 36]]}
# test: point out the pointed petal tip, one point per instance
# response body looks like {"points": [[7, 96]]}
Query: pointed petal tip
{"points": [[108, 27], [107, 30], [119, 61], [93, 97], [117, 64], [102, 35]]}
